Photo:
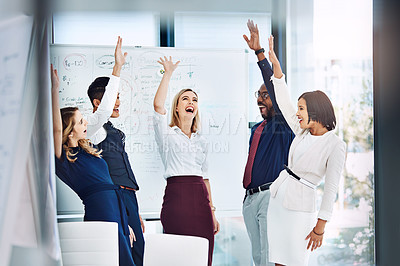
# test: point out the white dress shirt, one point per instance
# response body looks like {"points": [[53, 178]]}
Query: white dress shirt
{"points": [[180, 154], [95, 130]]}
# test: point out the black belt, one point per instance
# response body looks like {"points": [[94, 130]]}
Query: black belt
{"points": [[252, 191], [302, 180]]}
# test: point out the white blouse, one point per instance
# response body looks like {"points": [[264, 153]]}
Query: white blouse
{"points": [[180, 154]]}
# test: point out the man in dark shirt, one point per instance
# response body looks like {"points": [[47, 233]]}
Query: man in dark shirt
{"points": [[269, 147], [112, 142]]}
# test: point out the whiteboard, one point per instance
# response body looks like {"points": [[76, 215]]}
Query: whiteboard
{"points": [[220, 77], [15, 34]]}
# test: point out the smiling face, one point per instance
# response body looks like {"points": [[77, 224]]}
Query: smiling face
{"points": [[115, 112], [79, 129], [264, 103], [302, 115], [187, 106]]}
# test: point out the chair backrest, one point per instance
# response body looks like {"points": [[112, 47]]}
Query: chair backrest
{"points": [[175, 250], [89, 243]]}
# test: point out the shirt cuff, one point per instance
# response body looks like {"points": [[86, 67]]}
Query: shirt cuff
{"points": [[324, 215], [263, 62], [160, 123], [160, 117], [278, 80]]}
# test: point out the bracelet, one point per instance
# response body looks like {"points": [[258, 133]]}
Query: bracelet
{"points": [[260, 51], [317, 233], [213, 208]]}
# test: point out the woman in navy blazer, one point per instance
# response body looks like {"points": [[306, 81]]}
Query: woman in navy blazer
{"points": [[80, 166]]}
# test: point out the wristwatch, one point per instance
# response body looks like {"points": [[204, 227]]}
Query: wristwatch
{"points": [[260, 51]]}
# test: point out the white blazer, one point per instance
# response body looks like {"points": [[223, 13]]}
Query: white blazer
{"points": [[325, 157]]}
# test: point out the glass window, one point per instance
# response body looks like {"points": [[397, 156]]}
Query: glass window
{"points": [[225, 31], [330, 49], [102, 28]]}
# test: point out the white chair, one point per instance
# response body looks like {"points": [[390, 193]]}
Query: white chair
{"points": [[175, 250], [89, 243]]}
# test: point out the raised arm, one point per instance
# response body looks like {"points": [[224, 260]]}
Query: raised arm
{"points": [[274, 59], [104, 110], [161, 94], [57, 124], [266, 70], [282, 92], [120, 58], [254, 41]]}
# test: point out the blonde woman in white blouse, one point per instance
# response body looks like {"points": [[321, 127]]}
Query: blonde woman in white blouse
{"points": [[187, 207], [295, 225]]}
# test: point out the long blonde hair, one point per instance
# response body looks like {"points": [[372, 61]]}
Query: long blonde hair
{"points": [[67, 115], [174, 114]]}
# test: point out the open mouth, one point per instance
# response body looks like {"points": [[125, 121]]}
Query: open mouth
{"points": [[189, 109], [116, 110], [262, 108]]}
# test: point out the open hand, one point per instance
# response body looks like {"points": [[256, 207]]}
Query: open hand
{"points": [[254, 42], [119, 56], [315, 240], [55, 81], [272, 56], [168, 65]]}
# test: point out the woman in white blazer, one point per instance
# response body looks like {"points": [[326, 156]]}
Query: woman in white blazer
{"points": [[294, 225]]}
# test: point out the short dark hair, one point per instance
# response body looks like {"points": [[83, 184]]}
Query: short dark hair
{"points": [[320, 108], [97, 88]]}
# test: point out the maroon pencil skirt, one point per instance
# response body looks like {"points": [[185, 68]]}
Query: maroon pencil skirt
{"points": [[186, 209]]}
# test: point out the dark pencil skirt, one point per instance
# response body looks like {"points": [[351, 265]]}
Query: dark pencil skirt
{"points": [[186, 209]]}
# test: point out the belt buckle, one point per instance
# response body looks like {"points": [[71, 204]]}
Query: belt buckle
{"points": [[255, 190], [252, 191], [127, 188]]}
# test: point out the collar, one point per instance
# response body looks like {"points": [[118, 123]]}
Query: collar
{"points": [[179, 131]]}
